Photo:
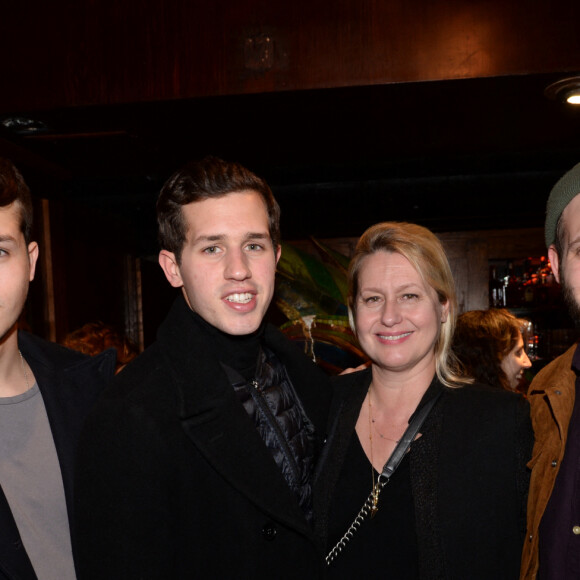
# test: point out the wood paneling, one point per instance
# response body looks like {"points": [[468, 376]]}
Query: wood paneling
{"points": [[66, 53], [85, 277]]}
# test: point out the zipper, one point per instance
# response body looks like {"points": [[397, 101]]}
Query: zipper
{"points": [[258, 396]]}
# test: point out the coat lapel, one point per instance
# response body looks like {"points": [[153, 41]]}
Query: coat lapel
{"points": [[14, 561], [217, 424], [69, 388], [48, 380], [223, 433], [349, 393]]}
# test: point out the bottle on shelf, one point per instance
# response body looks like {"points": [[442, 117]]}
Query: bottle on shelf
{"points": [[496, 290]]}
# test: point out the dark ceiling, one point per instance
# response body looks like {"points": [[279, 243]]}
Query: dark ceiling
{"points": [[452, 155]]}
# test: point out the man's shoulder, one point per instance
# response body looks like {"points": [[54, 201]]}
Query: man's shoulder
{"points": [[141, 378], [42, 355], [35, 346], [558, 372]]}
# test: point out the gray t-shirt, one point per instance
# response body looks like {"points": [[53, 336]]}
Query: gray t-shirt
{"points": [[32, 482]]}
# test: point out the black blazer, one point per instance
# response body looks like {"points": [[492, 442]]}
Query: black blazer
{"points": [[468, 475], [174, 480], [69, 383]]}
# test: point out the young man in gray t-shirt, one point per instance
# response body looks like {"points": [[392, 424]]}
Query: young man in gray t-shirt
{"points": [[45, 393]]}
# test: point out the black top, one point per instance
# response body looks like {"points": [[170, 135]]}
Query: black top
{"points": [[468, 480], [239, 352], [388, 536]]}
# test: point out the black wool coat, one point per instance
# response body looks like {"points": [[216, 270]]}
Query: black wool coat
{"points": [[174, 480], [70, 383], [468, 475]]}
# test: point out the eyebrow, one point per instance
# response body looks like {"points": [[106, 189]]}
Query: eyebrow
{"points": [[401, 288], [221, 237], [7, 238], [257, 236], [574, 242]]}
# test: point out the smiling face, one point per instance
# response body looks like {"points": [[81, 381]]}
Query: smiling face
{"points": [[515, 362], [397, 316], [17, 266], [228, 262]]}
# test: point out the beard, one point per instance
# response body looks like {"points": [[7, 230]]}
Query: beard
{"points": [[571, 301]]}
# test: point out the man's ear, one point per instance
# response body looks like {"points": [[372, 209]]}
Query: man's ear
{"points": [[278, 253], [553, 257], [170, 267], [32, 259]]}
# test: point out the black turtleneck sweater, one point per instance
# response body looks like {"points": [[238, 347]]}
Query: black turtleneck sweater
{"points": [[237, 352], [265, 390]]}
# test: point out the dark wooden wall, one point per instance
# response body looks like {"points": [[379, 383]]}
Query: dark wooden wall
{"points": [[83, 273], [64, 53], [60, 57]]}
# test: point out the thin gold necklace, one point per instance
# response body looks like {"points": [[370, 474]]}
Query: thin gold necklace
{"points": [[376, 485], [380, 434]]}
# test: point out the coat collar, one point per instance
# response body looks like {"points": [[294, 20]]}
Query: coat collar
{"points": [[551, 396], [217, 424], [69, 383], [559, 374]]}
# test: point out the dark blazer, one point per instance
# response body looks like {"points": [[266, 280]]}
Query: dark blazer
{"points": [[468, 475], [69, 383], [174, 480]]}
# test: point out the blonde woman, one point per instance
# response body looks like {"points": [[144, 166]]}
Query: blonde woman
{"points": [[455, 505]]}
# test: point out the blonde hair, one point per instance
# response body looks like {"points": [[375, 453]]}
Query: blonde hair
{"points": [[425, 252]]}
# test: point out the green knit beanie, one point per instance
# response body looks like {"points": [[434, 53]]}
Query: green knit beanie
{"points": [[567, 188]]}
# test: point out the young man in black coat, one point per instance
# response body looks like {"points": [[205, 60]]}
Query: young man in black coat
{"points": [[198, 461], [45, 393]]}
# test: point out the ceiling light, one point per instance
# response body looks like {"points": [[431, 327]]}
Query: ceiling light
{"points": [[22, 125], [565, 90], [574, 97]]}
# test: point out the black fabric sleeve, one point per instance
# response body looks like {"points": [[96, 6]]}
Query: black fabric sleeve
{"points": [[122, 512], [523, 453]]}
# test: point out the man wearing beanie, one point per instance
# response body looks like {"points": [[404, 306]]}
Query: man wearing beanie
{"points": [[552, 546]]}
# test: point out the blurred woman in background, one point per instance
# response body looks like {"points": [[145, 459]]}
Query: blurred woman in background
{"points": [[491, 348]]}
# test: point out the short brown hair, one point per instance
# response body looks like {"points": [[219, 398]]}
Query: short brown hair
{"points": [[424, 250], [13, 189], [211, 177]]}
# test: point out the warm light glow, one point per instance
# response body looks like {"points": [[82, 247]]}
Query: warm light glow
{"points": [[565, 90], [573, 98]]}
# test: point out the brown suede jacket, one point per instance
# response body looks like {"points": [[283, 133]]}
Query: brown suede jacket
{"points": [[551, 397]]}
